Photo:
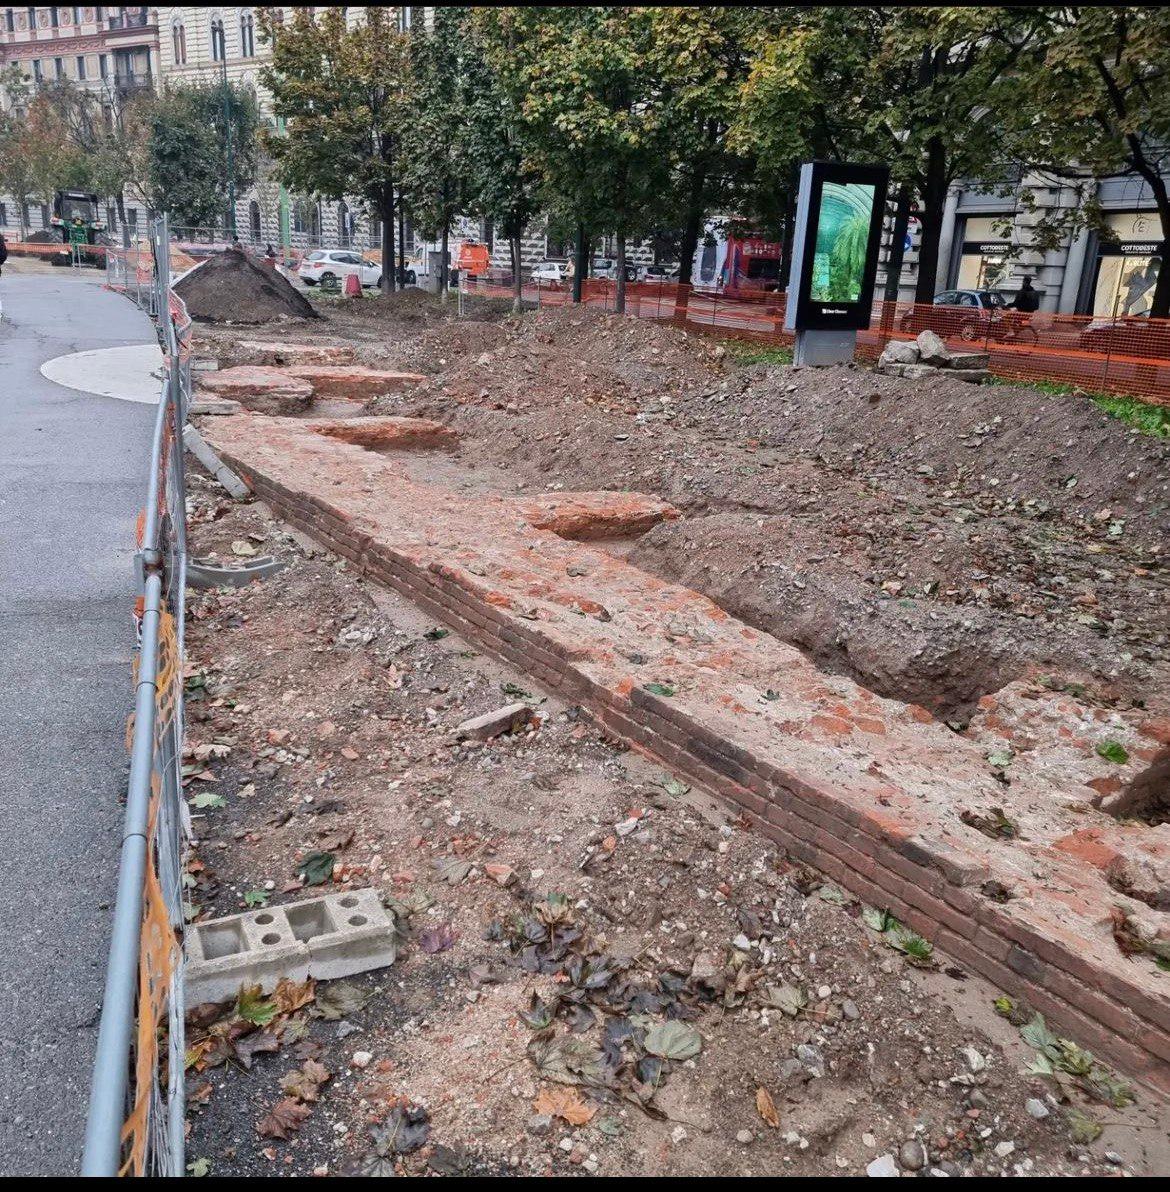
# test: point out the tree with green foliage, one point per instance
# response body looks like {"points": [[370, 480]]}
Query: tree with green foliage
{"points": [[936, 92], [434, 174], [1099, 107], [503, 178], [700, 58], [594, 117], [188, 173], [344, 94]]}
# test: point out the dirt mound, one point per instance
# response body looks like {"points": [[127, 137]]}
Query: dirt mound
{"points": [[43, 237], [582, 355], [231, 288], [1031, 452]]}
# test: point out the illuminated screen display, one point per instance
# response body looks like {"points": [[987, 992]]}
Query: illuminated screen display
{"points": [[842, 242]]}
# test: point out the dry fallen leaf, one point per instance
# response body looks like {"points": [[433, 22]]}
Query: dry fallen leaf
{"points": [[565, 1103], [284, 1118], [292, 995], [766, 1107]]}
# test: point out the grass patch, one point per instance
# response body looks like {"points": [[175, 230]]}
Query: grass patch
{"points": [[1143, 417], [746, 353]]}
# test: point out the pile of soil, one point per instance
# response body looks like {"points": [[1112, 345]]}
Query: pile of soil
{"points": [[43, 237], [932, 539], [229, 287], [568, 354]]}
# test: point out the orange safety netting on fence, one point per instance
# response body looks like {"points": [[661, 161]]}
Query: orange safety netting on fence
{"points": [[1123, 355]]}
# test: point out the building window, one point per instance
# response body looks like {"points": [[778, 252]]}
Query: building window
{"points": [[53, 17], [81, 66], [179, 40], [247, 36], [58, 68], [9, 20], [103, 66], [344, 227], [218, 48], [132, 217], [38, 74]]}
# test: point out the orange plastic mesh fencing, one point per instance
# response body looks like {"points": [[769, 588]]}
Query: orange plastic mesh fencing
{"points": [[1129, 356], [159, 947]]}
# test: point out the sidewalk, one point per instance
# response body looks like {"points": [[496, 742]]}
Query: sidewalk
{"points": [[72, 478]]}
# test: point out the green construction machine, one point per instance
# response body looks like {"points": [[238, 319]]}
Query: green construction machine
{"points": [[76, 217]]}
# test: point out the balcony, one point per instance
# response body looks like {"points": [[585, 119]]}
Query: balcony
{"points": [[128, 21], [131, 83], [134, 24]]}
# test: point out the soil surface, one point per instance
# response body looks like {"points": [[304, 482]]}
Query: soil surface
{"points": [[568, 912], [229, 287], [933, 540]]}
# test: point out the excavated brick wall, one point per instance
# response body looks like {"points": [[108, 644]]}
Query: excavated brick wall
{"points": [[837, 788]]}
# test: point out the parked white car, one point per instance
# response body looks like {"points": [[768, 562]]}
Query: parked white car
{"points": [[329, 265], [555, 271]]}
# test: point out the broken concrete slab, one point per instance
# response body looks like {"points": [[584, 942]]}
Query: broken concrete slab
{"points": [[969, 360], [932, 350], [973, 376], [900, 351], [336, 935], [352, 381], [512, 718], [212, 406], [260, 389]]}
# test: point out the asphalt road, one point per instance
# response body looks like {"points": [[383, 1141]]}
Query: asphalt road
{"points": [[73, 470]]}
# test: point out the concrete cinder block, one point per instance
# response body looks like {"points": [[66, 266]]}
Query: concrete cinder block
{"points": [[336, 935]]}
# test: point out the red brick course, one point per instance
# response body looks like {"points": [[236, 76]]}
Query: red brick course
{"points": [[878, 811]]}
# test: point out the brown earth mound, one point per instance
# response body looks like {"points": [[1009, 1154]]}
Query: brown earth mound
{"points": [[932, 539], [231, 288]]}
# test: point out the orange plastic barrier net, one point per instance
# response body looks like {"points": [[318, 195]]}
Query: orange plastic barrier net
{"points": [[1123, 355]]}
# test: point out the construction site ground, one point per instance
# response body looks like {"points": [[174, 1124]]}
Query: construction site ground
{"points": [[990, 557]]}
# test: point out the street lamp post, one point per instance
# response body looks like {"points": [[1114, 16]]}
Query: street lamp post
{"points": [[217, 34]]}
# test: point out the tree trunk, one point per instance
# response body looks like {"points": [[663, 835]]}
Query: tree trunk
{"points": [[1160, 301], [443, 261], [120, 202], [897, 253], [386, 219], [693, 227], [400, 277], [580, 263], [934, 198], [620, 296], [517, 277]]}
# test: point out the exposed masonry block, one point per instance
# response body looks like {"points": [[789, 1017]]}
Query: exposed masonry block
{"points": [[877, 810], [336, 935], [262, 390], [589, 515], [249, 351], [352, 381], [387, 433]]}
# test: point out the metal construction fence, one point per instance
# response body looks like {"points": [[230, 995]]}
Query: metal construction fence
{"points": [[1121, 355], [135, 1124]]}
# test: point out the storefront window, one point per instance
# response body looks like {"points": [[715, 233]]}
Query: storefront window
{"points": [[1128, 269], [986, 256]]}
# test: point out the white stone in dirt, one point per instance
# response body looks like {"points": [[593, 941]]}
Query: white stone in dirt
{"points": [[1036, 1108], [975, 1060], [508, 719], [900, 351], [932, 350], [362, 1059], [744, 1137], [882, 1167], [1003, 1149]]}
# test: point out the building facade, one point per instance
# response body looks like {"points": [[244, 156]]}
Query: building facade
{"points": [[990, 240]]}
